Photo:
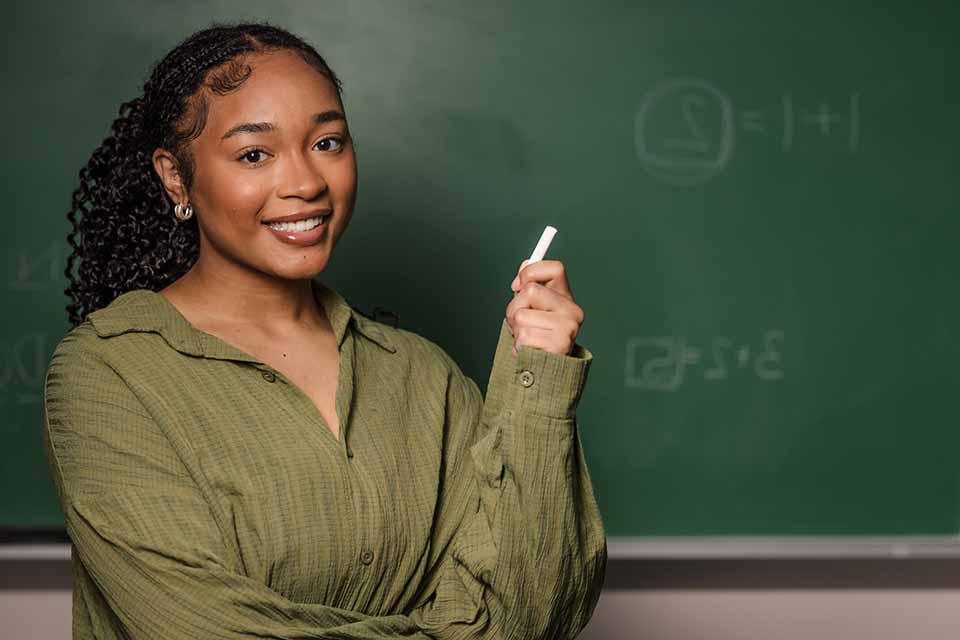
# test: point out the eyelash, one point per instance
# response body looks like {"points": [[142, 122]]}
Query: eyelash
{"points": [[247, 152]]}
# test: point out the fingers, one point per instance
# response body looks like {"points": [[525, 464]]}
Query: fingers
{"points": [[549, 321], [550, 273], [543, 313], [539, 317], [538, 296], [546, 339]]}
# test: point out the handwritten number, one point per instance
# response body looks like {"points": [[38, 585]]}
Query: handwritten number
{"points": [[768, 363], [696, 142], [718, 372]]}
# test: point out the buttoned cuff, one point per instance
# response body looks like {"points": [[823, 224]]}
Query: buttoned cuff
{"points": [[542, 383]]}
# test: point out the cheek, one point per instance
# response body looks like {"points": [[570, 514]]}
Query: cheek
{"points": [[231, 197], [246, 199], [342, 180]]}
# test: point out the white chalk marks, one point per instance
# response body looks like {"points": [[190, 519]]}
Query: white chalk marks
{"points": [[697, 150], [23, 364], [34, 269], [663, 363], [685, 130]]}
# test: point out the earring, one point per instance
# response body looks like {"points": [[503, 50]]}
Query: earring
{"points": [[183, 212]]}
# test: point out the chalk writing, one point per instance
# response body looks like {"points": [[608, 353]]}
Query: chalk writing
{"points": [[37, 270], [23, 365], [700, 147], [664, 363], [685, 130]]}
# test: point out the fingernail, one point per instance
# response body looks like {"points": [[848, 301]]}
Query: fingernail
{"points": [[515, 285]]}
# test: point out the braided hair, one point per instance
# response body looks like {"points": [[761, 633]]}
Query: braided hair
{"points": [[124, 234]]}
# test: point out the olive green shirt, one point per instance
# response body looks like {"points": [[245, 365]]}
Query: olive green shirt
{"points": [[206, 498]]}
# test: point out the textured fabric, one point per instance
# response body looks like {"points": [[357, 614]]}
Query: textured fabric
{"points": [[206, 498]]}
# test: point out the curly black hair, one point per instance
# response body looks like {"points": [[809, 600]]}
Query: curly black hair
{"points": [[124, 233]]}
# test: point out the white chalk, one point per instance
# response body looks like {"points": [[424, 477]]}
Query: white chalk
{"points": [[543, 245]]}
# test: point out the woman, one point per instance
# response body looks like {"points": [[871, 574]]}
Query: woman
{"points": [[240, 454]]}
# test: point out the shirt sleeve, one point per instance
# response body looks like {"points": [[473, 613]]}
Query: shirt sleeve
{"points": [[519, 551], [146, 535]]}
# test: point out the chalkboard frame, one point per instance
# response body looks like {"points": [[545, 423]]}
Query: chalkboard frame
{"points": [[53, 544]]}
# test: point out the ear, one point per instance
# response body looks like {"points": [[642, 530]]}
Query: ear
{"points": [[168, 169]]}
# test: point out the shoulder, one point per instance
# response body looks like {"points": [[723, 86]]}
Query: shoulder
{"points": [[80, 366], [124, 313], [415, 359], [80, 344], [88, 337], [418, 350], [429, 369], [99, 356]]}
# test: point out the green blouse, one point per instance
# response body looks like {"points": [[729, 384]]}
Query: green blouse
{"points": [[206, 498]]}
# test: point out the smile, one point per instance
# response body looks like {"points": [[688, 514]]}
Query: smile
{"points": [[299, 225], [302, 232]]}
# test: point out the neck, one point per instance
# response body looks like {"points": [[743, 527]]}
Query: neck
{"points": [[246, 297]]}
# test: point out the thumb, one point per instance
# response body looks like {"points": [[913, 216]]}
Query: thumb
{"points": [[515, 285]]}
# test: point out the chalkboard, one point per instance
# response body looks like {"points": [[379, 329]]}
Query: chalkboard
{"points": [[756, 202]]}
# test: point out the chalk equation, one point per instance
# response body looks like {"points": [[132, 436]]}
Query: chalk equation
{"points": [[37, 270], [664, 363], [685, 130], [23, 364]]}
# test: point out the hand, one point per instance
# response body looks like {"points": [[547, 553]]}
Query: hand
{"points": [[542, 313]]}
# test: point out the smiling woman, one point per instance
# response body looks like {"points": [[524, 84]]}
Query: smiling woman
{"points": [[274, 148], [237, 452]]}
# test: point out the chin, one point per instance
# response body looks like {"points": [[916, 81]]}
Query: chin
{"points": [[303, 270]]}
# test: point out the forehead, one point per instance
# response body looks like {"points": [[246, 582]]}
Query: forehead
{"points": [[282, 88]]}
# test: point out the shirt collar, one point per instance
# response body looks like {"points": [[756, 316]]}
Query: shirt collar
{"points": [[145, 310]]}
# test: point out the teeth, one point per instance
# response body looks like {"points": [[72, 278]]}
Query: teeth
{"points": [[300, 225]]}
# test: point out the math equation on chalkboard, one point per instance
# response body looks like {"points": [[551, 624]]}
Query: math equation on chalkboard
{"points": [[686, 129], [665, 363], [36, 269], [23, 363]]}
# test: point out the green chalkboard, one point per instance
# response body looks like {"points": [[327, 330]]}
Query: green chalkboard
{"points": [[757, 204]]}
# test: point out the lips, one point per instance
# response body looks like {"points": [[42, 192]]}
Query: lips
{"points": [[300, 215], [302, 238]]}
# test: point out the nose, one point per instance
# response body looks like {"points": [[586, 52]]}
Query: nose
{"points": [[301, 179]]}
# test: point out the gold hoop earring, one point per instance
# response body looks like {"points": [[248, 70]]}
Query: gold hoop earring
{"points": [[183, 212]]}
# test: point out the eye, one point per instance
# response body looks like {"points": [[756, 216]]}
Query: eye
{"points": [[329, 144], [252, 156]]}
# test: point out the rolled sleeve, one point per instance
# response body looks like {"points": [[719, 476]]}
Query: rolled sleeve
{"points": [[540, 382]]}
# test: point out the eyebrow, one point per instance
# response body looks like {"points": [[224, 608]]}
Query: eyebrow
{"points": [[323, 117]]}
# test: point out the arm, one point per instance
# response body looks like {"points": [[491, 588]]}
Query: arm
{"points": [[144, 533], [521, 551]]}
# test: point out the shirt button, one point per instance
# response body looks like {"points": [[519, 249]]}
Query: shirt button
{"points": [[526, 378], [269, 376], [366, 557]]}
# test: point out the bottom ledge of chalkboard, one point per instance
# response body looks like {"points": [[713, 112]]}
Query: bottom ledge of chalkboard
{"points": [[54, 543], [785, 547], [19, 535]]}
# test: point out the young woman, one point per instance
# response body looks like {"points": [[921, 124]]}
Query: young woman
{"points": [[237, 452]]}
